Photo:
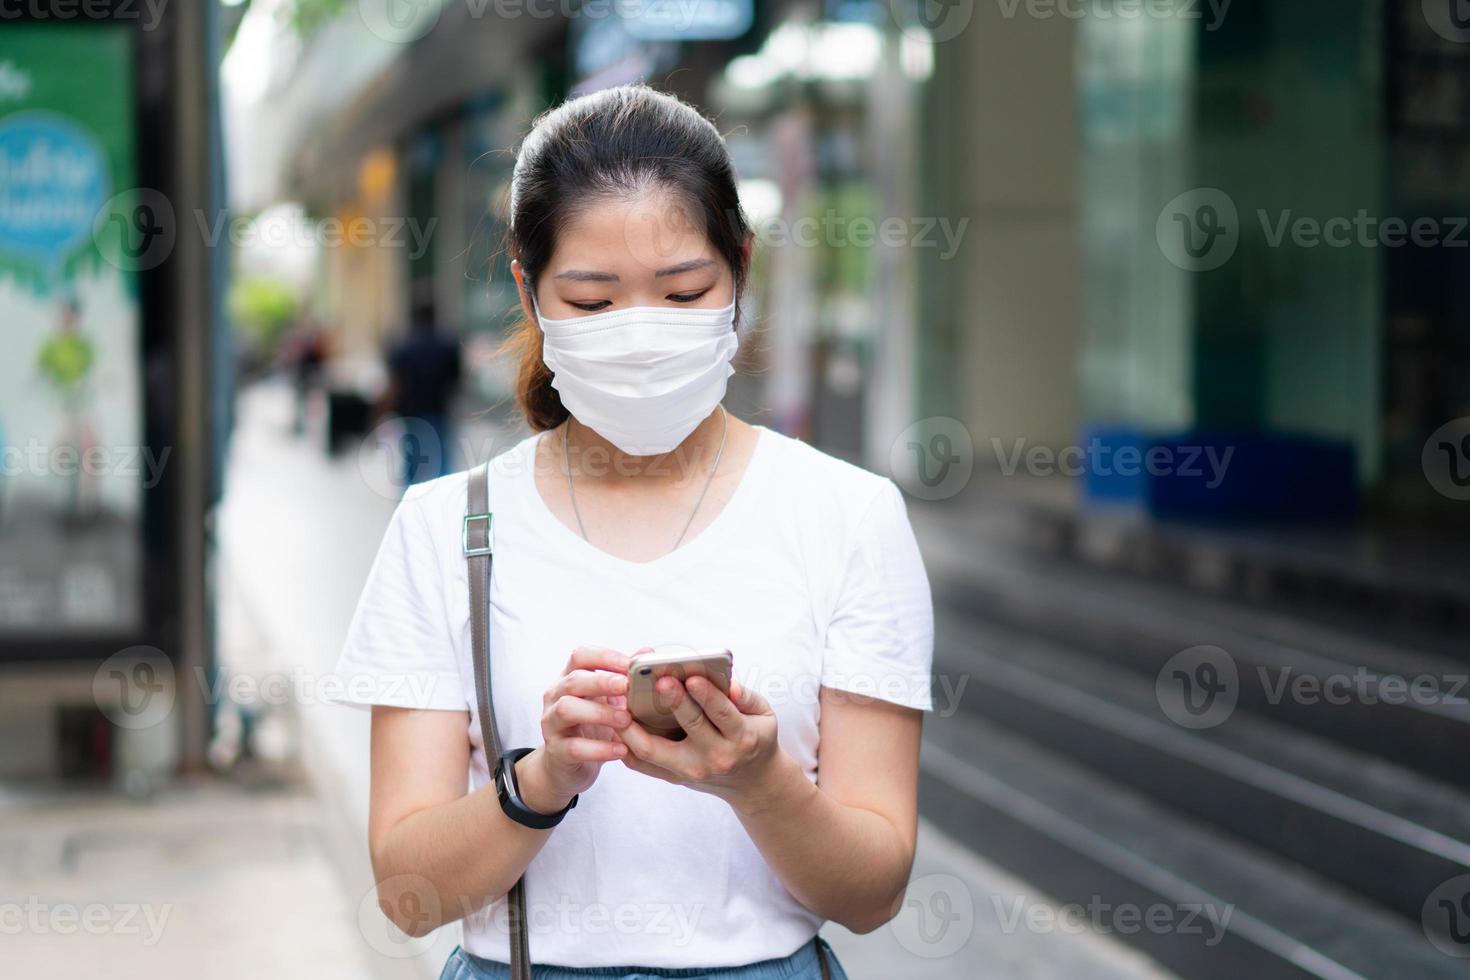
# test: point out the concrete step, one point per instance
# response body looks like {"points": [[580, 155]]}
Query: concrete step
{"points": [[1402, 705], [1201, 902], [1297, 795]]}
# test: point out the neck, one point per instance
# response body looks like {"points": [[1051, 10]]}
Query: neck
{"points": [[593, 459]]}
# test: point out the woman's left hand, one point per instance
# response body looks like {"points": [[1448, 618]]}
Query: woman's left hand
{"points": [[729, 744]]}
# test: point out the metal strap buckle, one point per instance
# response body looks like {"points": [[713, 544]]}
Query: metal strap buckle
{"points": [[465, 536]]}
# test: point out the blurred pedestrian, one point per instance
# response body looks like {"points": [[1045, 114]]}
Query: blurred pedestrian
{"points": [[424, 370], [307, 354]]}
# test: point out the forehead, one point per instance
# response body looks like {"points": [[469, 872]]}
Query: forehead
{"points": [[631, 236]]}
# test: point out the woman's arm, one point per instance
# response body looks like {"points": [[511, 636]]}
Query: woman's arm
{"points": [[842, 846], [439, 853]]}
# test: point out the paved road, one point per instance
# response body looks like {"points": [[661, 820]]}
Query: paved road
{"points": [[297, 533]]}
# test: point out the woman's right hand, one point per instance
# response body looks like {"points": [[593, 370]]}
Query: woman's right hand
{"points": [[580, 716]]}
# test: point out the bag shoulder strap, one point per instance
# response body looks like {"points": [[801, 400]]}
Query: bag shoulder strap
{"points": [[478, 543]]}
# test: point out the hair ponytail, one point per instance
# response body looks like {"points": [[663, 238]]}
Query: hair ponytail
{"points": [[538, 401]]}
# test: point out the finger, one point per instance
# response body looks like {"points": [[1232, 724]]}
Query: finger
{"points": [[587, 731], [718, 708], [590, 684], [748, 700], [587, 750], [649, 769], [600, 732], [654, 749], [597, 658], [687, 711], [568, 712]]}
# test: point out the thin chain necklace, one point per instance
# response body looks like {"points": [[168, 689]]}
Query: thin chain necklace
{"points": [[566, 463]]}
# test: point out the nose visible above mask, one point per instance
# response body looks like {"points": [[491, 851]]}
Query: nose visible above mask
{"points": [[643, 378]]}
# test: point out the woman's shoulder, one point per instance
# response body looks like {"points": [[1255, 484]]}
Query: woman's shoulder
{"points": [[446, 495], [822, 480]]}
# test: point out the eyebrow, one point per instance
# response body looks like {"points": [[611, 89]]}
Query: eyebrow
{"points": [[689, 266], [583, 275]]}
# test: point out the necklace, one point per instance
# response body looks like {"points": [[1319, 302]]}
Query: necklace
{"points": [[566, 463]]}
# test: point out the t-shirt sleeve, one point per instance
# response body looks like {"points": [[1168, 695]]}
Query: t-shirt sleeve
{"points": [[399, 649], [880, 642]]}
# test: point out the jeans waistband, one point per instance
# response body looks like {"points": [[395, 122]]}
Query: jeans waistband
{"points": [[802, 963]]}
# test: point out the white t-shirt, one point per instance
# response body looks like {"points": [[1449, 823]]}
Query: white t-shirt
{"points": [[810, 575]]}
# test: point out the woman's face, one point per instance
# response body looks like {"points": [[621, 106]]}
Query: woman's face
{"points": [[620, 253]]}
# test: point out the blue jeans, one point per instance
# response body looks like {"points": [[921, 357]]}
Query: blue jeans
{"points": [[800, 965]]}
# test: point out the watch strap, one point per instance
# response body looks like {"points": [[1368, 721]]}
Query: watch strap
{"points": [[508, 789]]}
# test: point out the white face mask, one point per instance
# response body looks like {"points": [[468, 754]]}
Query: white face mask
{"points": [[642, 378]]}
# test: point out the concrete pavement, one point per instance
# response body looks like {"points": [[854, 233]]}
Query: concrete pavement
{"points": [[204, 880]]}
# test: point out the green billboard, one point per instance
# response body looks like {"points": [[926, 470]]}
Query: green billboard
{"points": [[73, 464]]}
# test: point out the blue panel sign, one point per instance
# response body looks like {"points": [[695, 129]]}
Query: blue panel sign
{"points": [[53, 181]]}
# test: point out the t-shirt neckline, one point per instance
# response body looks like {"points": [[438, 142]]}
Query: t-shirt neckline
{"points": [[701, 540]]}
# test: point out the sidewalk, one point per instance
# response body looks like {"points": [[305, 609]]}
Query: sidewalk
{"points": [[298, 531], [297, 535], [207, 880]]}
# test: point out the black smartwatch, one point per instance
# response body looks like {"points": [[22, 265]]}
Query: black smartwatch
{"points": [[510, 795]]}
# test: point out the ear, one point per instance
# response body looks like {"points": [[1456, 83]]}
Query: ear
{"points": [[523, 292]]}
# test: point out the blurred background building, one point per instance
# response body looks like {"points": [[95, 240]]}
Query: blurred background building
{"points": [[1022, 163], [1158, 309]]}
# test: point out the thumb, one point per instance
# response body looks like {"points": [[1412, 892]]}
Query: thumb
{"points": [[748, 700]]}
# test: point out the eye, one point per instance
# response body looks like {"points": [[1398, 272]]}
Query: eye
{"points": [[592, 307], [687, 297]]}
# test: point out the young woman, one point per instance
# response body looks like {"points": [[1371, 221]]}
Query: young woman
{"points": [[640, 512]]}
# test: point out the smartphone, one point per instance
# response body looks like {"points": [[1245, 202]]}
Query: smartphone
{"points": [[644, 670]]}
